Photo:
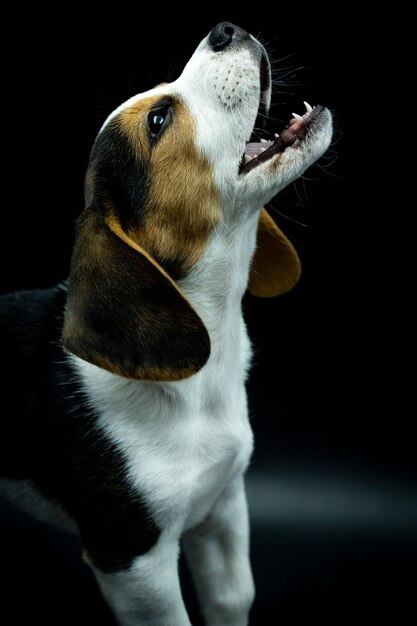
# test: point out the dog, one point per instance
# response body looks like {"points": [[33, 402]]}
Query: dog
{"points": [[125, 411]]}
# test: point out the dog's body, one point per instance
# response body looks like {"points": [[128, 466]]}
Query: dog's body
{"points": [[138, 432]]}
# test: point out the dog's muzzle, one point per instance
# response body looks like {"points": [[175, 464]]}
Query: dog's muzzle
{"points": [[263, 144]]}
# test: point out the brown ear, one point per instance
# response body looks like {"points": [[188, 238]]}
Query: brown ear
{"points": [[275, 266], [124, 313]]}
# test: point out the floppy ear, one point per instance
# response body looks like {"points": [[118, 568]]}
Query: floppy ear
{"points": [[275, 266], [124, 313]]}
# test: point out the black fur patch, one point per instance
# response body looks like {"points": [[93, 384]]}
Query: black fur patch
{"points": [[49, 434], [120, 178]]}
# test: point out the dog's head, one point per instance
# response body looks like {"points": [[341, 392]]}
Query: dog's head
{"points": [[168, 166]]}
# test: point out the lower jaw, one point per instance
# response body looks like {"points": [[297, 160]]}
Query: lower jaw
{"points": [[291, 137]]}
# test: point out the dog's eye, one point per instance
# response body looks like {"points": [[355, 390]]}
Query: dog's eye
{"points": [[158, 119]]}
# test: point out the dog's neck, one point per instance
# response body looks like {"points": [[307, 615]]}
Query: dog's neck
{"points": [[219, 280]]}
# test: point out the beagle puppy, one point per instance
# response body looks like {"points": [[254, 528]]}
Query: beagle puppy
{"points": [[125, 413]]}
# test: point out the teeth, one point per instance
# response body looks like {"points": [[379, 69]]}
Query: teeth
{"points": [[262, 150], [276, 135], [248, 158], [264, 140], [297, 117], [308, 107]]}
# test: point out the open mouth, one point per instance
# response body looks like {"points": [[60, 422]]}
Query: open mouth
{"points": [[262, 144]]}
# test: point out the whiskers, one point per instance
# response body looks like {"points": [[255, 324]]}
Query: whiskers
{"points": [[273, 209], [284, 74]]}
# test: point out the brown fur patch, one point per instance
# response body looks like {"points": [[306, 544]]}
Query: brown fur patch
{"points": [[117, 230], [124, 313], [133, 122], [182, 207], [275, 266]]}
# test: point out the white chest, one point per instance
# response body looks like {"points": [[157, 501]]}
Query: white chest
{"points": [[183, 442], [182, 466]]}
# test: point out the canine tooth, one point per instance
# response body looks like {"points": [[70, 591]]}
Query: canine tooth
{"points": [[264, 140], [262, 150], [276, 135], [308, 107], [296, 116], [247, 158]]}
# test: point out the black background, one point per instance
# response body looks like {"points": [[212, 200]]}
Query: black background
{"points": [[321, 392]]}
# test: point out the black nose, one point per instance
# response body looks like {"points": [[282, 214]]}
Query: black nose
{"points": [[224, 33]]}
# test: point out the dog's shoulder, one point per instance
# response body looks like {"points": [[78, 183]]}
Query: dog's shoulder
{"points": [[30, 328], [24, 315]]}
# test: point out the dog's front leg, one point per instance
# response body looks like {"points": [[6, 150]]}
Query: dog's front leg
{"points": [[148, 592], [218, 554]]}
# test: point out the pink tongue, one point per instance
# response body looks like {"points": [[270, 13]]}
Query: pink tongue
{"points": [[256, 148], [287, 136]]}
